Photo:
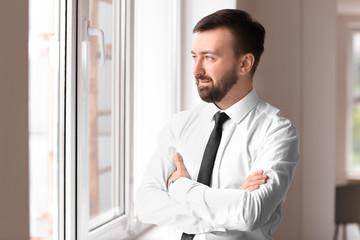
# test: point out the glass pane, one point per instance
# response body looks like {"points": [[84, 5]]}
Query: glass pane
{"points": [[356, 54], [355, 159], [43, 95], [103, 163]]}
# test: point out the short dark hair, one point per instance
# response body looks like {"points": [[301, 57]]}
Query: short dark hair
{"points": [[249, 35]]}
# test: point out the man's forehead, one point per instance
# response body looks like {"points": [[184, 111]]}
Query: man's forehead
{"points": [[218, 31], [212, 40]]}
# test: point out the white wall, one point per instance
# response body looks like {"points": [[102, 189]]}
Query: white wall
{"points": [[14, 185], [154, 84]]}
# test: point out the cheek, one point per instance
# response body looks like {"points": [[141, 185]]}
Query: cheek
{"points": [[217, 70], [215, 75]]}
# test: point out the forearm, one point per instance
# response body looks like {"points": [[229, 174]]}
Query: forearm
{"points": [[231, 209], [155, 207]]}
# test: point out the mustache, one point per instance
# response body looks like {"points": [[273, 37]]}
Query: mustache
{"points": [[203, 77]]}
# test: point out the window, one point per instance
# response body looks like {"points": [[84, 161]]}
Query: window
{"points": [[353, 166], [79, 155], [101, 117], [100, 70]]}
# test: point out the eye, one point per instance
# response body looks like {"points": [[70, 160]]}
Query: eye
{"points": [[209, 58], [194, 57]]}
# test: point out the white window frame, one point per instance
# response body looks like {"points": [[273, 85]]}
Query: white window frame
{"points": [[120, 225], [71, 216], [72, 219], [67, 143]]}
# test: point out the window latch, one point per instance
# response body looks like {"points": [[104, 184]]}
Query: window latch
{"points": [[93, 31]]}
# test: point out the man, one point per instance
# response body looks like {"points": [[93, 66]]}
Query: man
{"points": [[222, 169]]}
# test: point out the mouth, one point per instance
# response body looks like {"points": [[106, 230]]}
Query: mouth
{"points": [[203, 81]]}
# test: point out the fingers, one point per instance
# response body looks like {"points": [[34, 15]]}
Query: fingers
{"points": [[257, 177], [178, 161], [180, 169], [254, 181]]}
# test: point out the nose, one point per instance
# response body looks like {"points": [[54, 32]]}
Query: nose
{"points": [[198, 68]]}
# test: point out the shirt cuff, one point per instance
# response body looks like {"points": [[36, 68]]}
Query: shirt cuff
{"points": [[190, 194], [181, 188]]}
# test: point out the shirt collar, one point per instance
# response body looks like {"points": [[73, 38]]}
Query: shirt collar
{"points": [[239, 109]]}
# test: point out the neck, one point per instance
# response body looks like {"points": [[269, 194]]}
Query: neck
{"points": [[235, 94]]}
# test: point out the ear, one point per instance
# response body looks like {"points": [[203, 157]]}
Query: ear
{"points": [[246, 62]]}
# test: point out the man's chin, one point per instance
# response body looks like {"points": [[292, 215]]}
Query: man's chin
{"points": [[205, 96], [209, 97]]}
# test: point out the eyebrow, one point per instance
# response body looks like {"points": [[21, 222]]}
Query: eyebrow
{"points": [[205, 52]]}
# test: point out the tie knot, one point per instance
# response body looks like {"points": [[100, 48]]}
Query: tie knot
{"points": [[220, 118]]}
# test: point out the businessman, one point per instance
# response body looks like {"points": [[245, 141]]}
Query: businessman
{"points": [[222, 169]]}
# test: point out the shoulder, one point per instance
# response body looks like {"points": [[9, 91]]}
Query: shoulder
{"points": [[273, 121], [185, 117], [184, 120]]}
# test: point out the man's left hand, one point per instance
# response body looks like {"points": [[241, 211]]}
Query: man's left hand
{"points": [[180, 169]]}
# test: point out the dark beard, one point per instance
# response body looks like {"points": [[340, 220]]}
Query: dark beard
{"points": [[217, 93]]}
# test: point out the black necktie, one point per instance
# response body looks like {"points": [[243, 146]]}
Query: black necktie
{"points": [[209, 156]]}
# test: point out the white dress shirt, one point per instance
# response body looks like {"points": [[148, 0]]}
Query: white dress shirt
{"points": [[256, 137]]}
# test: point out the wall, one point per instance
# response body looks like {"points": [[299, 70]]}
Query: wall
{"points": [[298, 74], [14, 204], [278, 81], [154, 81], [318, 119]]}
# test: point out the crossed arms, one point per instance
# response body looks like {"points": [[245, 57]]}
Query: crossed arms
{"points": [[251, 183], [192, 207]]}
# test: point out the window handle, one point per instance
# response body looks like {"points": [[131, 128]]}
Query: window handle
{"points": [[93, 31]]}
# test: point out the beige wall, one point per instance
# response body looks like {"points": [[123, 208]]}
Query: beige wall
{"points": [[279, 82], [318, 118], [298, 75], [14, 194]]}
